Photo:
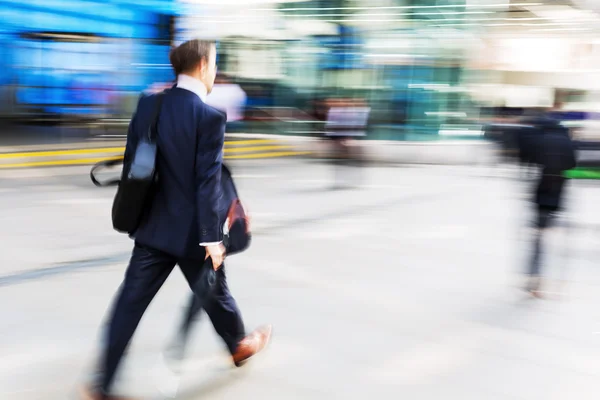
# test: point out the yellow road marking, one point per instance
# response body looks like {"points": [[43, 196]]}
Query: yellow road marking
{"points": [[252, 141], [267, 155], [79, 161], [98, 150], [256, 148], [63, 152], [86, 161]]}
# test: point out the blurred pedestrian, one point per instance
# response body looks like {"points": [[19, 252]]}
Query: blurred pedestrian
{"points": [[182, 224], [346, 121], [548, 145], [229, 98]]}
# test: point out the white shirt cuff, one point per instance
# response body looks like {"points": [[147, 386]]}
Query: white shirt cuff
{"points": [[210, 244]]}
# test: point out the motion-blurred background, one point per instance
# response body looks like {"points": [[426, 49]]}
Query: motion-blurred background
{"points": [[428, 68], [406, 283]]}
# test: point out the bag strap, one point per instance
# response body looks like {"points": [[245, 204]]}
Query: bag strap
{"points": [[153, 128], [105, 164], [152, 134]]}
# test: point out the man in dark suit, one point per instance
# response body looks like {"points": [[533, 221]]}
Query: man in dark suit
{"points": [[182, 222]]}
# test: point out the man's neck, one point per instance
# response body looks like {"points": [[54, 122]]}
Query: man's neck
{"points": [[192, 84]]}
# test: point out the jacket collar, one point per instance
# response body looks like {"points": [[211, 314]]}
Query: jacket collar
{"points": [[193, 85]]}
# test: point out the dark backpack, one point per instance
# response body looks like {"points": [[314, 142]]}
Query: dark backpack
{"points": [[547, 143], [558, 153]]}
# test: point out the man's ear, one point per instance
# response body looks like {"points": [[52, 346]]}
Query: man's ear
{"points": [[203, 66]]}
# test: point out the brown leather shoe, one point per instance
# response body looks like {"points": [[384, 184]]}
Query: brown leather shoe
{"points": [[252, 344]]}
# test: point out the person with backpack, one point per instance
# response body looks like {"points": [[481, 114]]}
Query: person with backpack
{"points": [[548, 144], [169, 201]]}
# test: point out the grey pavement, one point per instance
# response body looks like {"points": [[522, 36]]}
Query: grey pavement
{"points": [[405, 287]]}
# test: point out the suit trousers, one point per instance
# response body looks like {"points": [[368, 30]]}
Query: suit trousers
{"points": [[148, 270]]}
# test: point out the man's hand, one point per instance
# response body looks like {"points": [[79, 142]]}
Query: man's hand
{"points": [[217, 254]]}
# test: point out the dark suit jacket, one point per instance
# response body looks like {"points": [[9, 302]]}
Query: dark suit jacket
{"points": [[185, 209]]}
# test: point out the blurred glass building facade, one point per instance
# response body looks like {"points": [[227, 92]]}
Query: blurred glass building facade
{"points": [[430, 69], [387, 52], [426, 67]]}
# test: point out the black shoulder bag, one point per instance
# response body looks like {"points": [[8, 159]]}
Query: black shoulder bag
{"points": [[138, 179]]}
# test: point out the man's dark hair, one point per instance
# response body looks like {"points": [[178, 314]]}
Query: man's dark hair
{"points": [[188, 55]]}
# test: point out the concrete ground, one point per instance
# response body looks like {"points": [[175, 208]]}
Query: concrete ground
{"points": [[405, 287]]}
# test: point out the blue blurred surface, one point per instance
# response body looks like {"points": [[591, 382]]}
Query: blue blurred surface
{"points": [[76, 56]]}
